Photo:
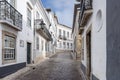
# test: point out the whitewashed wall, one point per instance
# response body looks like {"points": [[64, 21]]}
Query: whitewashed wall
{"points": [[42, 15], [98, 41], [26, 34]]}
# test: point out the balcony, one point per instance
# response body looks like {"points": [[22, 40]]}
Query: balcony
{"points": [[10, 16], [42, 30], [86, 12], [62, 37]]}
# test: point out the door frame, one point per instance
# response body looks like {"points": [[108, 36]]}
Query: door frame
{"points": [[30, 52], [89, 54]]}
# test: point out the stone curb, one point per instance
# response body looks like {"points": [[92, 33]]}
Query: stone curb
{"points": [[22, 71]]}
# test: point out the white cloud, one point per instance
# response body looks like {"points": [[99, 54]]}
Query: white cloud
{"points": [[64, 10]]}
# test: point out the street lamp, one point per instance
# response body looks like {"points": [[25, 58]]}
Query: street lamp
{"points": [[42, 24]]}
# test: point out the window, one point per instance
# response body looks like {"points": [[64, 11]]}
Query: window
{"points": [[71, 35], [71, 45], [64, 33], [37, 43], [64, 45], [59, 31], [28, 17], [8, 47], [68, 45], [99, 20], [47, 46], [68, 34]]}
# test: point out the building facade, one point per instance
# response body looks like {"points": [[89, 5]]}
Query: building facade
{"points": [[16, 35], [42, 35], [99, 28], [53, 31], [75, 33], [24, 34], [65, 39]]}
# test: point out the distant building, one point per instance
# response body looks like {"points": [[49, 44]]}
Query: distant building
{"points": [[64, 38], [99, 22]]}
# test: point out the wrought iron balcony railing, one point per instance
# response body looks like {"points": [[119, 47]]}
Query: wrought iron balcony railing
{"points": [[42, 29], [62, 37], [88, 4], [85, 6], [9, 15]]}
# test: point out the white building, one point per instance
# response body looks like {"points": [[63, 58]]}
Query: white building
{"points": [[99, 28], [16, 35], [65, 39], [53, 30], [42, 35], [92, 28], [24, 34]]}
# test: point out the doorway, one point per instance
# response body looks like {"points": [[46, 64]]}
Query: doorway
{"points": [[28, 53], [88, 40]]}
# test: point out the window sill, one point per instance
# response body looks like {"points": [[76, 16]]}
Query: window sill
{"points": [[8, 62]]}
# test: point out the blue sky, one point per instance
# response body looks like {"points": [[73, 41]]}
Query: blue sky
{"points": [[63, 10]]}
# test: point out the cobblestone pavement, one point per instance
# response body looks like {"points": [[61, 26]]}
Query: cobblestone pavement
{"points": [[59, 67]]}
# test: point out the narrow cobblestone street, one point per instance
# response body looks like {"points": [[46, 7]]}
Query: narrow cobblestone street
{"points": [[59, 67]]}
